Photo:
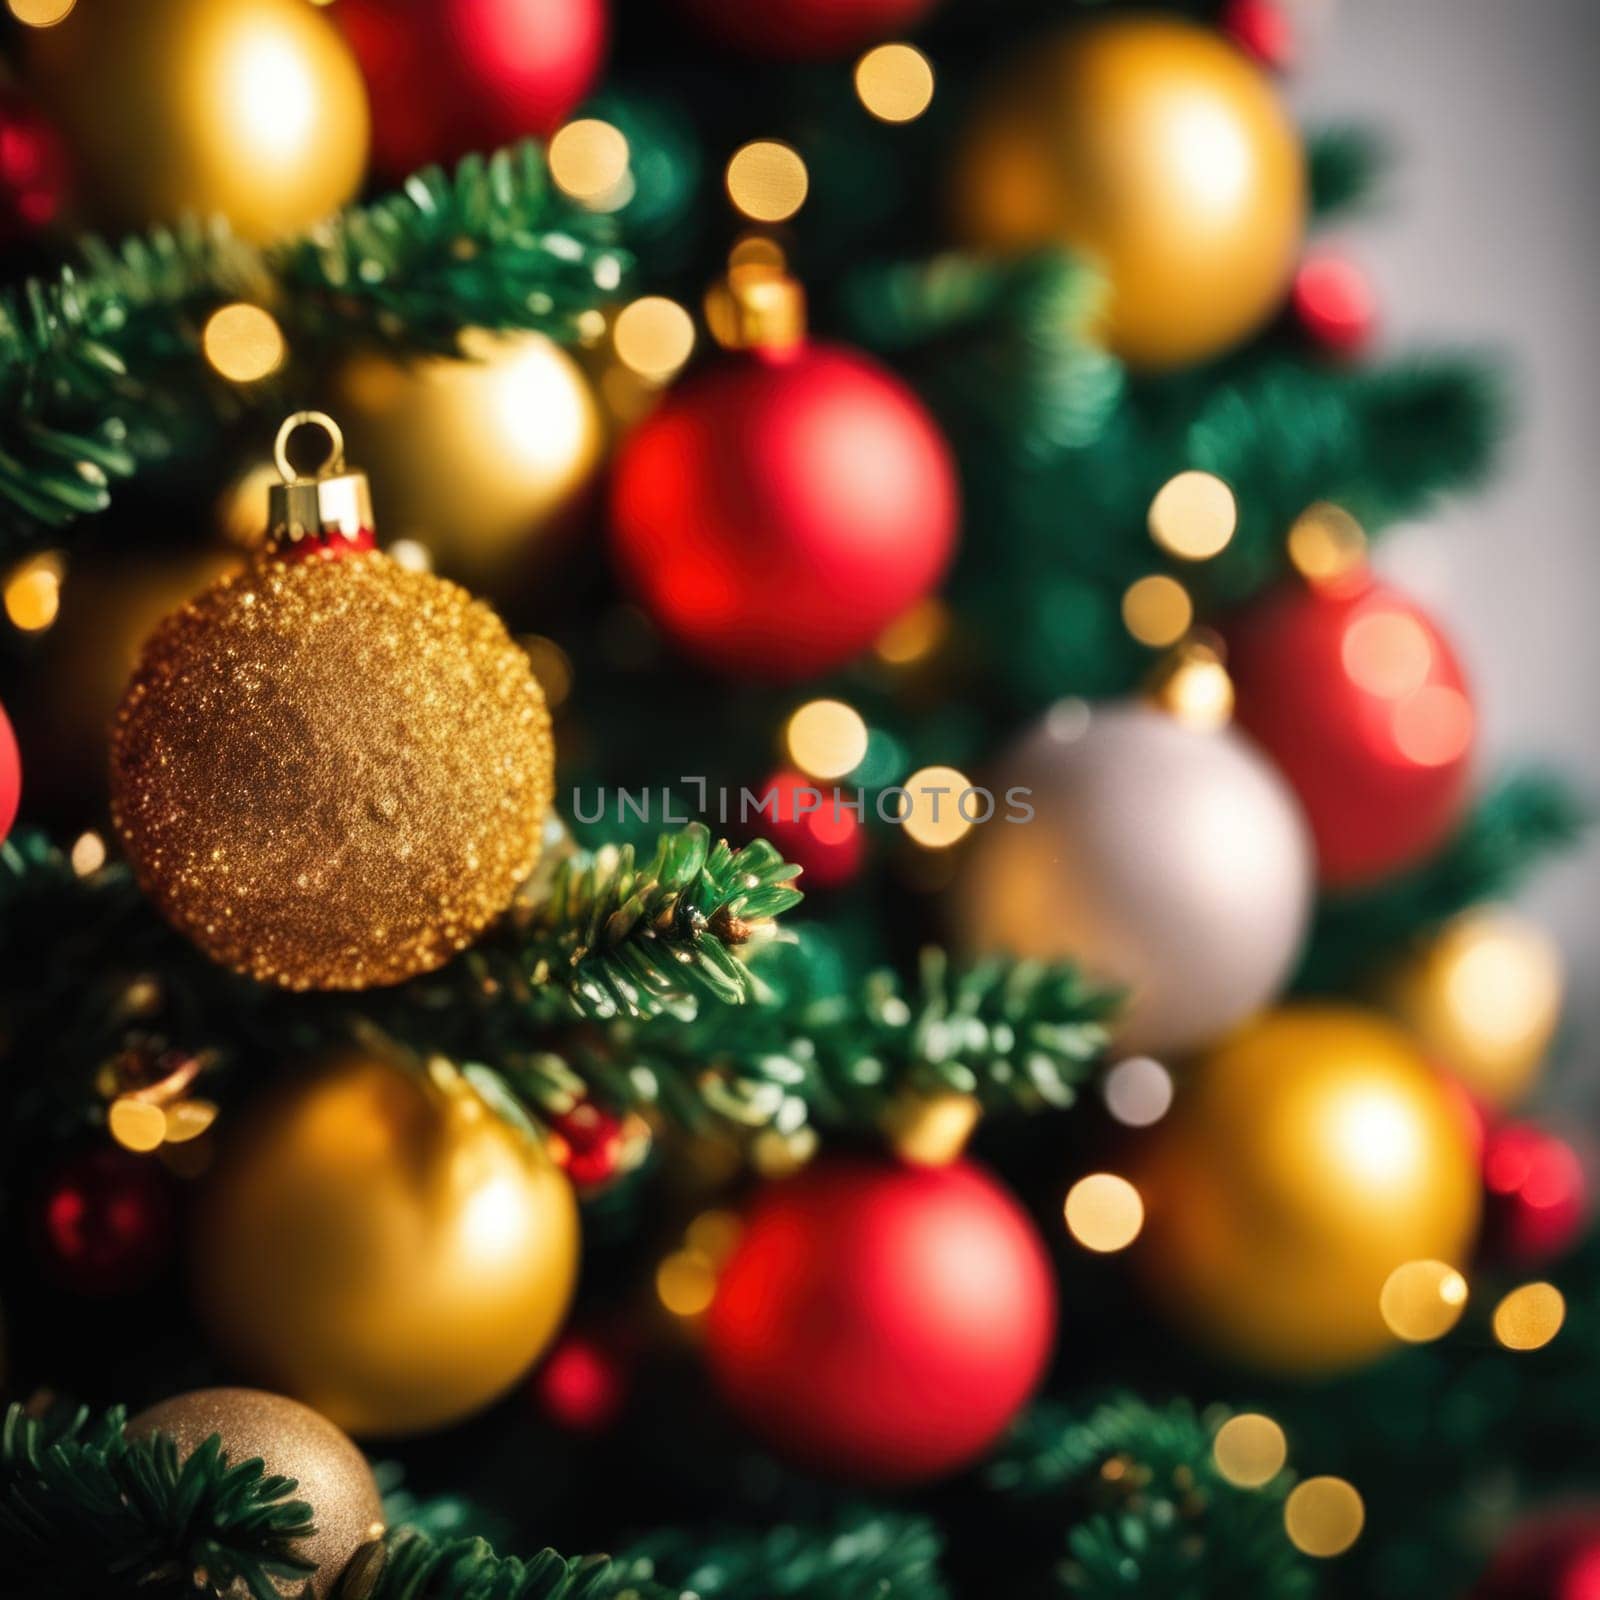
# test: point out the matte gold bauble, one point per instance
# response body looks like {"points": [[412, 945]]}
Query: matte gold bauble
{"points": [[331, 1475], [1155, 148], [331, 774], [382, 1245], [254, 109], [1483, 998], [485, 461], [1305, 1158]]}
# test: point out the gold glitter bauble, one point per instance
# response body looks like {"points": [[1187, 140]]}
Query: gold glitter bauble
{"points": [[254, 109], [331, 774], [1159, 151], [383, 1245], [331, 1475], [1304, 1159]]}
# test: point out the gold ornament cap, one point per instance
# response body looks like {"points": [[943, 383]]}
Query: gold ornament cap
{"points": [[756, 306], [328, 507]]}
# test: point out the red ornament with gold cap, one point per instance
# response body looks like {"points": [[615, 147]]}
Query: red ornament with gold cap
{"points": [[1357, 696], [328, 771], [788, 500]]}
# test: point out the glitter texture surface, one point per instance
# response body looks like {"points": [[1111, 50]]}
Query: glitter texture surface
{"points": [[331, 774]]}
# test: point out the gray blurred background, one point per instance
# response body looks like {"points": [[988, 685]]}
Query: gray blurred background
{"points": [[1490, 232]]}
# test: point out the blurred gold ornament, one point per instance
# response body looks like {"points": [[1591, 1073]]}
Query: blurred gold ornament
{"points": [[292, 1441], [484, 461], [254, 109], [931, 1130], [1483, 997], [1157, 150], [382, 1245], [331, 772], [1307, 1157]]}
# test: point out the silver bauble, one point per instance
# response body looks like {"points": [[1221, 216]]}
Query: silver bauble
{"points": [[1168, 858]]}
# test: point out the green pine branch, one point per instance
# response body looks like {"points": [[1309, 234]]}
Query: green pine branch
{"points": [[85, 1514], [1347, 163], [101, 370], [1145, 1513], [1522, 821], [828, 1048]]}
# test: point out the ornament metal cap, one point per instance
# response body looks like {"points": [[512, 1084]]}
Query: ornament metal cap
{"points": [[331, 506], [1192, 684], [757, 306]]}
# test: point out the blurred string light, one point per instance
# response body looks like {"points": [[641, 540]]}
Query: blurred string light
{"points": [[1250, 1450], [1530, 1317], [914, 634], [243, 343], [1323, 1517], [1157, 610], [758, 250], [714, 1234], [826, 738], [895, 82], [137, 1125], [589, 163], [777, 1154], [411, 554], [33, 592], [551, 665], [1193, 685], [88, 854], [767, 180], [653, 337], [1325, 543], [1422, 1300], [1138, 1091], [1104, 1212], [931, 811], [40, 13], [1193, 516], [686, 1283]]}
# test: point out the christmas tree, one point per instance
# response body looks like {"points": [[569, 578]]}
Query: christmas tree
{"points": [[720, 875]]}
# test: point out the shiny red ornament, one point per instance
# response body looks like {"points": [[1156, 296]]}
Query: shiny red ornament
{"points": [[1334, 303], [1536, 1195], [881, 1321], [592, 1143], [1357, 696], [107, 1222], [448, 76], [582, 1384], [806, 30], [1553, 1557], [34, 170], [782, 507], [824, 838], [1261, 28], [10, 775]]}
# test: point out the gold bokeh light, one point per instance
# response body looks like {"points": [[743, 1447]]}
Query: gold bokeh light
{"points": [[767, 180], [1250, 1450], [589, 161], [243, 343], [934, 812], [88, 854], [1157, 610], [1193, 516], [40, 13], [1326, 542], [653, 337], [1530, 1317], [33, 592], [895, 82], [1104, 1212], [686, 1283], [1324, 1517], [1422, 1300], [826, 738]]}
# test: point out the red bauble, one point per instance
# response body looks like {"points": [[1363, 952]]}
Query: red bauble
{"points": [[33, 169], [1554, 1557], [883, 1322], [1261, 28], [781, 508], [10, 775], [106, 1220], [825, 840], [1357, 696], [806, 30], [448, 76], [1536, 1195], [1334, 303]]}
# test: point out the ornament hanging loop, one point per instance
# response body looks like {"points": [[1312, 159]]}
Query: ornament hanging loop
{"points": [[333, 461], [327, 512]]}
